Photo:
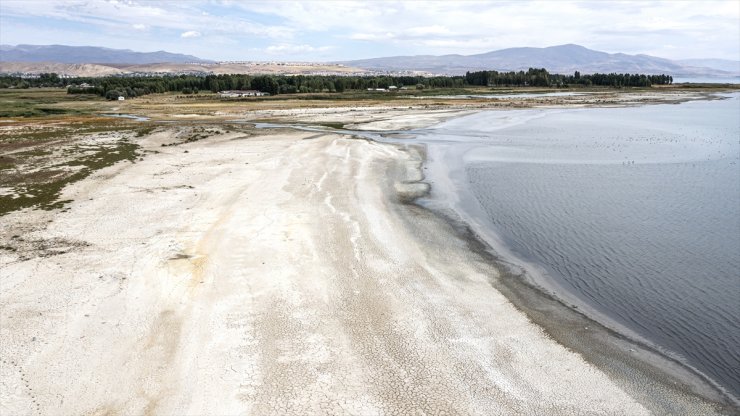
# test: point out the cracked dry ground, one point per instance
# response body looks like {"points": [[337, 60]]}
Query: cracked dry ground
{"points": [[279, 274]]}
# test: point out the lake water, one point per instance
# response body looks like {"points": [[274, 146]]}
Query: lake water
{"points": [[631, 213], [707, 80]]}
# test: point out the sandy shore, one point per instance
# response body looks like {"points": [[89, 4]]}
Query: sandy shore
{"points": [[281, 273]]}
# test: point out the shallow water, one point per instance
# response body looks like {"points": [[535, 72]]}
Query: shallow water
{"points": [[633, 213], [130, 116]]}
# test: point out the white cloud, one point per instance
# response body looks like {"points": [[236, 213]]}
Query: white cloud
{"points": [[707, 27], [168, 15], [372, 36], [672, 29], [434, 30], [190, 34]]}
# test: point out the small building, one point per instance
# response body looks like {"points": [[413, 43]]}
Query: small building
{"points": [[121, 98], [83, 86], [241, 93], [392, 88]]}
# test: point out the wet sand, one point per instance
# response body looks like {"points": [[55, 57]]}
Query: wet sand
{"points": [[282, 273]]}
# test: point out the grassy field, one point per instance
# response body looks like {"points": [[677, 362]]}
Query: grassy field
{"points": [[42, 187], [41, 102], [49, 139], [55, 102]]}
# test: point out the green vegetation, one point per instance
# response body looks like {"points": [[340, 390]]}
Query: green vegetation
{"points": [[41, 154], [114, 86], [41, 102], [43, 80], [43, 188], [541, 78], [331, 125], [43, 133], [143, 131]]}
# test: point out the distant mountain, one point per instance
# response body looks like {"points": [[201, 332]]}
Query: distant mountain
{"points": [[87, 55], [101, 70], [76, 70], [564, 59], [722, 64]]}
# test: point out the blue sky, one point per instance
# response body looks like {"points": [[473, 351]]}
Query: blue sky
{"points": [[339, 30]]}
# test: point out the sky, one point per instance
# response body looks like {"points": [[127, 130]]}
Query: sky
{"points": [[346, 30]]}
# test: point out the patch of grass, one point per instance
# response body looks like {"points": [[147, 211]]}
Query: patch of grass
{"points": [[33, 153], [143, 131], [194, 134], [41, 130], [332, 125], [46, 195], [44, 102]]}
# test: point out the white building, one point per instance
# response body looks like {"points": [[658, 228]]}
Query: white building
{"points": [[121, 98], [241, 93]]}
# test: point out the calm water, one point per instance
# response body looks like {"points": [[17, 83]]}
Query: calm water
{"points": [[631, 212], [707, 80]]}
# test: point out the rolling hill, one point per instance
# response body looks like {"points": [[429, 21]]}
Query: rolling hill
{"points": [[559, 59], [565, 59], [88, 55]]}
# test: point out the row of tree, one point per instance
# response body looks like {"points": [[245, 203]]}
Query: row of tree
{"points": [[285, 84], [539, 77], [273, 84], [113, 87]]}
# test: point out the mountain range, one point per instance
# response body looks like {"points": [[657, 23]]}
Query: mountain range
{"points": [[563, 59], [88, 55]]}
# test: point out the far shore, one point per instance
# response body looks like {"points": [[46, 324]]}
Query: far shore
{"points": [[210, 267]]}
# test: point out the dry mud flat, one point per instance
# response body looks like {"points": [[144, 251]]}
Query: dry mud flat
{"points": [[276, 274]]}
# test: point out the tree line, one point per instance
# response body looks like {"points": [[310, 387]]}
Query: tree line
{"points": [[539, 77], [114, 86]]}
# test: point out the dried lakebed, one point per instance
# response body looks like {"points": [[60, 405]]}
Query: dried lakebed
{"points": [[265, 273]]}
